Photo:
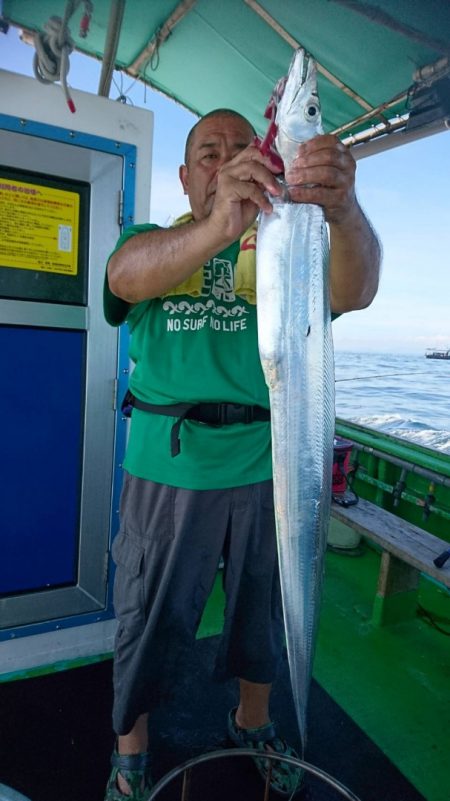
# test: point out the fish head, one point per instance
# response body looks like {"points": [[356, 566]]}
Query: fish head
{"points": [[298, 115]]}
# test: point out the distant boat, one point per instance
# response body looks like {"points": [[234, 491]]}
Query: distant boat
{"points": [[437, 353]]}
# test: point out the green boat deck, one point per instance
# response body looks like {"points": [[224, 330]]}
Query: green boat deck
{"points": [[392, 681], [379, 707]]}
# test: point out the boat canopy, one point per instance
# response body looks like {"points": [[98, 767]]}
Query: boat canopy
{"points": [[379, 62]]}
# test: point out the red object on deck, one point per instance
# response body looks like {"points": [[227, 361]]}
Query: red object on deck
{"points": [[341, 464]]}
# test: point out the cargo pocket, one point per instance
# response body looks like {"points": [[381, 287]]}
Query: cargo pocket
{"points": [[129, 605]]}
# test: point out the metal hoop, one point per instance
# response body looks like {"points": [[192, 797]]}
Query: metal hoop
{"points": [[8, 794], [186, 769]]}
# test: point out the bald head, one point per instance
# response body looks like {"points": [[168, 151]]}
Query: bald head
{"points": [[218, 112], [215, 140]]}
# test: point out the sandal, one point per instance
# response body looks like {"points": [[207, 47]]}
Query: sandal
{"points": [[285, 779], [134, 768]]}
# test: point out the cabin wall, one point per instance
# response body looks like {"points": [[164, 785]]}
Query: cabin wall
{"points": [[69, 183]]}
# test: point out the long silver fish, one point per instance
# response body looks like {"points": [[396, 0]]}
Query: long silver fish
{"points": [[296, 352]]}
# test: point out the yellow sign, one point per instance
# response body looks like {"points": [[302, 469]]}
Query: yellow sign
{"points": [[38, 227]]}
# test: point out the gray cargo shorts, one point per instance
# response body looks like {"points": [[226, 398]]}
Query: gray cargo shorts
{"points": [[167, 554]]}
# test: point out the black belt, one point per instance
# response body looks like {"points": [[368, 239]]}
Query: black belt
{"points": [[212, 414]]}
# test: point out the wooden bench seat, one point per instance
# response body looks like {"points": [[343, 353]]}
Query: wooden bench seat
{"points": [[407, 551]]}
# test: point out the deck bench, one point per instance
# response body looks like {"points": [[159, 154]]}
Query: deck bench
{"points": [[406, 552]]}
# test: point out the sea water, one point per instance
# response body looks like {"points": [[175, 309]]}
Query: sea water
{"points": [[404, 395]]}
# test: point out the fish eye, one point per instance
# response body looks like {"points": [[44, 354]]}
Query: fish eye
{"points": [[311, 111]]}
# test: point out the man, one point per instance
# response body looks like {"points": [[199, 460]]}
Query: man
{"points": [[194, 490]]}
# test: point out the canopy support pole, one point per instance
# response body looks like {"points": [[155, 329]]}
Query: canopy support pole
{"points": [[111, 45]]}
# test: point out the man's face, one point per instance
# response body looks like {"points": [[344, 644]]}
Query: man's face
{"points": [[216, 140]]}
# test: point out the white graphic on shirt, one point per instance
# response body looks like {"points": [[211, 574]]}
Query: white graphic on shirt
{"points": [[218, 280], [185, 307], [218, 285]]}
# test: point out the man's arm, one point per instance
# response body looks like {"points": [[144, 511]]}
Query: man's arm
{"points": [[355, 258], [151, 263], [327, 167]]}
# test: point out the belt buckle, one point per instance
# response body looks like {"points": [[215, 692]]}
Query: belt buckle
{"points": [[234, 413]]}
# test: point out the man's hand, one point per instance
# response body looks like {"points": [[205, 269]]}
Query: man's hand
{"points": [[240, 192], [323, 172]]}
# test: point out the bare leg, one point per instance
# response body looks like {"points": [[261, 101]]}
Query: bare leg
{"points": [[253, 709], [135, 742]]}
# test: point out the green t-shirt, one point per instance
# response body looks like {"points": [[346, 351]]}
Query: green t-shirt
{"points": [[188, 348]]}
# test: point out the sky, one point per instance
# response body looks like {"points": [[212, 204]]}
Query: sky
{"points": [[404, 192]]}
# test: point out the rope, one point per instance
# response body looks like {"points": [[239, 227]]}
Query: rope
{"points": [[54, 45], [380, 375]]}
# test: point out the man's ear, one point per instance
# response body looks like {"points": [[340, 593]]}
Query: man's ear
{"points": [[183, 173]]}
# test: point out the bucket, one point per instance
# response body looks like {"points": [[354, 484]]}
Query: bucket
{"points": [[186, 770]]}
